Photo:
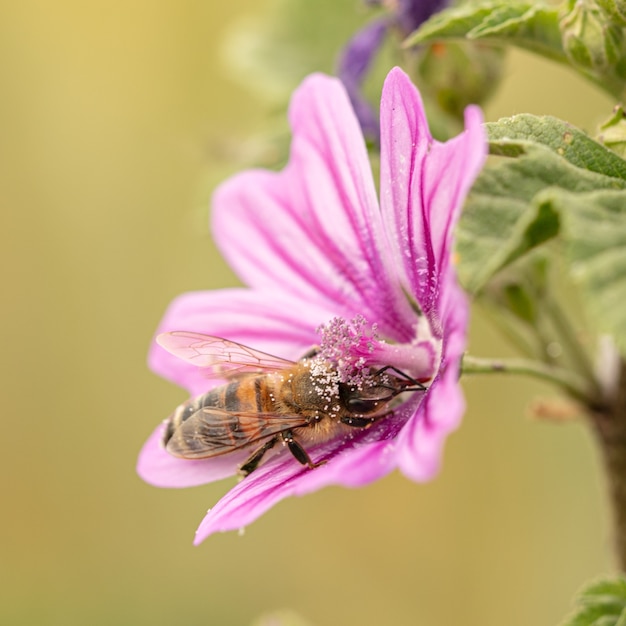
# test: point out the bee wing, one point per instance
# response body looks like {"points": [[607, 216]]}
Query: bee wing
{"points": [[211, 432], [220, 357]]}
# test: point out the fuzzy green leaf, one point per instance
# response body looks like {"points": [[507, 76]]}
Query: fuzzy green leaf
{"points": [[594, 231], [453, 23], [504, 216], [562, 138], [611, 588], [601, 603], [527, 25]]}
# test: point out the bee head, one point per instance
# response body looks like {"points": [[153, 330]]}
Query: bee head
{"points": [[379, 390], [365, 400]]}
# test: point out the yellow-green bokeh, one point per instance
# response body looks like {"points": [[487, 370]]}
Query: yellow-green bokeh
{"points": [[114, 121]]}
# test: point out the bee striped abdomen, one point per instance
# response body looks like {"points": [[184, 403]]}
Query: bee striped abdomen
{"points": [[223, 419]]}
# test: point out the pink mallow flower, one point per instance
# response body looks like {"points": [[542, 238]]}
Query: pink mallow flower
{"points": [[373, 283]]}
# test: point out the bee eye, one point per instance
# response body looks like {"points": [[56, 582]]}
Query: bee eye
{"points": [[361, 405]]}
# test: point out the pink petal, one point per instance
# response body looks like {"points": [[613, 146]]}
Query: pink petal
{"points": [[449, 172], [423, 185], [357, 465], [315, 228], [268, 321], [405, 141]]}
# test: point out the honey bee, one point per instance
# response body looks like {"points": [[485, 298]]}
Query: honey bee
{"points": [[267, 400]]}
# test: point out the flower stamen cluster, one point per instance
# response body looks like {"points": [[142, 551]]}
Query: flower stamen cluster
{"points": [[348, 346]]}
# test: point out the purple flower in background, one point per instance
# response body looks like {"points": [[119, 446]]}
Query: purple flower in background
{"points": [[320, 252], [352, 68], [407, 15], [358, 54]]}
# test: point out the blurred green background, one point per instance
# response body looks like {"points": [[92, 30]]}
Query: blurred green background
{"points": [[116, 120]]}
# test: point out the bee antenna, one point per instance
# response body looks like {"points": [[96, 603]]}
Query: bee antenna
{"points": [[417, 386]]}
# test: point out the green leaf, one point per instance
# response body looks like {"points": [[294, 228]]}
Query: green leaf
{"points": [[591, 616], [552, 182], [527, 25], [452, 23], [594, 232], [562, 138], [579, 34], [611, 587], [601, 603], [504, 217]]}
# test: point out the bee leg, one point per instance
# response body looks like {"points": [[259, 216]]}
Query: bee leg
{"points": [[418, 386], [253, 462], [358, 422], [298, 451]]}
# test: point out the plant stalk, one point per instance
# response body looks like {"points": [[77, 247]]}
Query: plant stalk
{"points": [[573, 384], [610, 428]]}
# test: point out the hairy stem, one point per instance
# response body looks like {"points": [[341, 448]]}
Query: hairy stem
{"points": [[575, 386]]}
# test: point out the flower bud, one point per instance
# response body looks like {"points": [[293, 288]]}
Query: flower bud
{"points": [[590, 40], [458, 74], [613, 132], [616, 9]]}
